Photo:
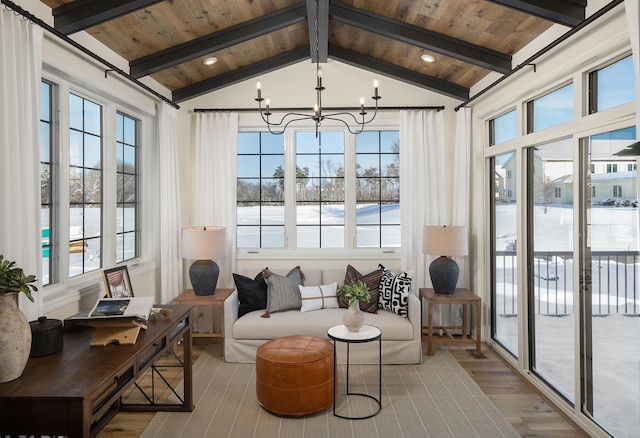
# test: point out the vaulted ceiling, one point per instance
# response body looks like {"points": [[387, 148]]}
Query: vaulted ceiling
{"points": [[169, 39]]}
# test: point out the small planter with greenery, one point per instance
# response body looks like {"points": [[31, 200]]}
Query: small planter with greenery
{"points": [[13, 279], [354, 292]]}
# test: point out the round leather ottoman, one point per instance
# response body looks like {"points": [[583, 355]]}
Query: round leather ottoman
{"points": [[294, 375]]}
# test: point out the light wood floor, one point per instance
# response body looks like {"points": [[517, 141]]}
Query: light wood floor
{"points": [[527, 411]]}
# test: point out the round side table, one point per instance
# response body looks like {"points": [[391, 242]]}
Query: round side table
{"points": [[367, 333]]}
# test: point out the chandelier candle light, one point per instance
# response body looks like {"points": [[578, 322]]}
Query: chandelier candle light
{"points": [[345, 117], [444, 241], [203, 244]]}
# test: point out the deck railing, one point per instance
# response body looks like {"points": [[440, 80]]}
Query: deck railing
{"points": [[614, 279]]}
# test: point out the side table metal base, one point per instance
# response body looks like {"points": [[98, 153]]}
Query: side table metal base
{"points": [[378, 400]]}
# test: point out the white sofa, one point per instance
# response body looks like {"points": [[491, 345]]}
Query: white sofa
{"points": [[401, 337]]}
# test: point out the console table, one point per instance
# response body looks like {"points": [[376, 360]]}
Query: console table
{"points": [[76, 391], [460, 296]]}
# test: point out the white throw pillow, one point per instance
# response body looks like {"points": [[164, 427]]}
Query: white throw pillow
{"points": [[318, 297]]}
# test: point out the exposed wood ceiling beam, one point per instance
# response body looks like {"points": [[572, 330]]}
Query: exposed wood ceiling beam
{"points": [[419, 37], [241, 74], [83, 14], [567, 12], [399, 73], [323, 29], [218, 40]]}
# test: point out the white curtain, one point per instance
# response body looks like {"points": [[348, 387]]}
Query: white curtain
{"points": [[633, 22], [422, 187], [170, 208], [215, 181], [461, 184], [435, 175], [20, 76]]}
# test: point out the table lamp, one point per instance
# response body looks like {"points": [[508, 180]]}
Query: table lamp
{"points": [[203, 244], [444, 241]]}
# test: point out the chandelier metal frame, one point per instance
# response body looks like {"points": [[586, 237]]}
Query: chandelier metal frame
{"points": [[278, 127]]}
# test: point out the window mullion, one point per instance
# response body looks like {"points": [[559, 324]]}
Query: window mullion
{"points": [[109, 187], [350, 191], [62, 170], [290, 190]]}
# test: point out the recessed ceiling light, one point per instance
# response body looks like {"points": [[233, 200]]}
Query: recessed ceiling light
{"points": [[428, 58], [210, 61]]}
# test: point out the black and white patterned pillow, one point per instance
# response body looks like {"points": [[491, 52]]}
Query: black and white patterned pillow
{"points": [[393, 293]]}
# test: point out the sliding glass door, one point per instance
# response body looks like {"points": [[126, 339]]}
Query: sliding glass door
{"points": [[611, 302], [550, 263], [504, 266]]}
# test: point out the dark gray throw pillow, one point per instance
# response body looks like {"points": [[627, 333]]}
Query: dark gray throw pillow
{"points": [[282, 292], [252, 293]]}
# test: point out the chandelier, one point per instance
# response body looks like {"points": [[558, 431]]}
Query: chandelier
{"points": [[354, 123]]}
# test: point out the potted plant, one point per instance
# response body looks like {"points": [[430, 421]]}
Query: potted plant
{"points": [[13, 279], [353, 293], [15, 336]]}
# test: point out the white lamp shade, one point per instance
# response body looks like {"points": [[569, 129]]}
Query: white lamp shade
{"points": [[445, 241], [203, 243]]}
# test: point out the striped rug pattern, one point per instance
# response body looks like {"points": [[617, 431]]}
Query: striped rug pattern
{"points": [[434, 399]]}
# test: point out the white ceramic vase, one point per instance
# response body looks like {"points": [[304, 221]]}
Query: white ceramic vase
{"points": [[353, 318], [15, 338]]}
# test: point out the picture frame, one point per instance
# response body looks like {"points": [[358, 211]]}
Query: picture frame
{"points": [[117, 283]]}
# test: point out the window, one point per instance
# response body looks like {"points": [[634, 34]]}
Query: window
{"points": [[612, 167], [617, 191], [557, 192], [320, 190], [378, 189], [509, 174], [90, 183], [126, 187], [339, 190], [612, 85], [632, 167], [593, 192], [46, 203], [85, 185], [260, 190], [550, 110], [502, 128]]}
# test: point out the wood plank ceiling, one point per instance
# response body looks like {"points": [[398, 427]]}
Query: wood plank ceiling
{"points": [[169, 40]]}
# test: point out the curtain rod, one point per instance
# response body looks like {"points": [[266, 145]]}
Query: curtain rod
{"points": [[335, 108], [552, 45], [29, 16]]}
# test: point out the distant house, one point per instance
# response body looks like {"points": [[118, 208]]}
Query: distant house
{"points": [[614, 187]]}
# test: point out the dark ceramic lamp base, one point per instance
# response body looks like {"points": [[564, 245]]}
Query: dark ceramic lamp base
{"points": [[444, 273], [204, 276]]}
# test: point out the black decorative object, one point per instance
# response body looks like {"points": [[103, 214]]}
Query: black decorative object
{"points": [[46, 336], [203, 275], [444, 273]]}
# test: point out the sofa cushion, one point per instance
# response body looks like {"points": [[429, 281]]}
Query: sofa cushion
{"points": [[282, 291], [372, 280], [318, 297], [252, 326], [252, 293], [394, 293]]}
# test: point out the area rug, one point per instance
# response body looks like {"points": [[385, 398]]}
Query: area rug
{"points": [[436, 398]]}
